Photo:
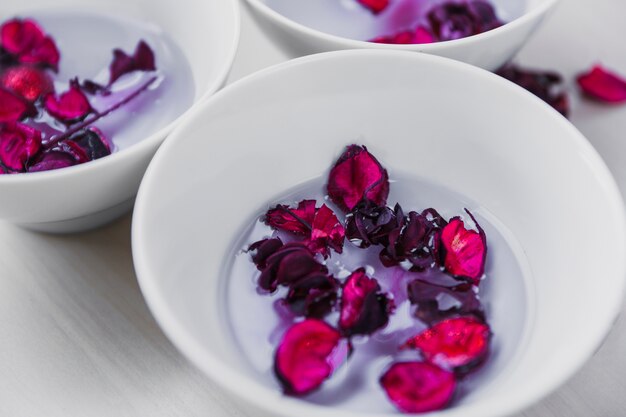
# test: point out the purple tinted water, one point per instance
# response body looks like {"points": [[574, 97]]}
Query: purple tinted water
{"points": [[257, 325]]}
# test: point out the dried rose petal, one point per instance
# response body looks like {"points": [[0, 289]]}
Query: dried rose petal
{"points": [[458, 344], [264, 249], [453, 20], [313, 295], [27, 81], [19, 144], [369, 224], [26, 40], [71, 106], [364, 308], [45, 53], [287, 265], [375, 6], [12, 107], [603, 85], [437, 302], [53, 159], [327, 231], [142, 59], [303, 359], [419, 35], [297, 221], [356, 176], [92, 142], [464, 251], [546, 85], [92, 87], [418, 387]]}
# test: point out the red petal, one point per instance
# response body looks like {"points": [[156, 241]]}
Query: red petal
{"points": [[141, 60], [376, 6], [297, 221], [27, 81], [458, 344], [464, 250], [357, 175], [19, 36], [54, 159], [423, 35], [71, 106], [603, 85], [44, 53], [364, 309], [420, 35], [417, 387], [304, 358], [12, 107], [327, 232], [19, 144]]}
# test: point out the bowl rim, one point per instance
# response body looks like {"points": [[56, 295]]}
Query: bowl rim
{"points": [[348, 43], [271, 401], [145, 145]]}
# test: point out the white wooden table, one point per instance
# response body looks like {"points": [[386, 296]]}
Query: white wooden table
{"points": [[76, 338]]}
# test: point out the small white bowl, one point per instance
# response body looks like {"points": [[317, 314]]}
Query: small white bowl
{"points": [[306, 27], [88, 195], [437, 119]]}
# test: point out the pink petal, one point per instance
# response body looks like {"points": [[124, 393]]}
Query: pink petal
{"points": [[44, 53], [423, 35], [142, 59], [464, 250], [327, 231], [364, 308], [356, 176], [27, 81], [420, 35], [304, 358], [459, 344], [19, 36], [19, 145], [71, 106], [12, 107], [603, 85], [297, 221], [417, 387], [375, 6]]}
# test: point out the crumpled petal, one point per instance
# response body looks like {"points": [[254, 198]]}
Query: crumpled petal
{"points": [[19, 145], [364, 308], [357, 175], [454, 20], [375, 6], [464, 251], [298, 221], [71, 106], [458, 344], [305, 357], [437, 302], [28, 82], [12, 107], [418, 387], [263, 249], [45, 53], [52, 159], [327, 232], [313, 295], [142, 59], [603, 85], [27, 42], [418, 36], [92, 142], [286, 265]]}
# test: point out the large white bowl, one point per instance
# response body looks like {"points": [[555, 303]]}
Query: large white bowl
{"points": [[438, 119], [91, 194], [304, 27]]}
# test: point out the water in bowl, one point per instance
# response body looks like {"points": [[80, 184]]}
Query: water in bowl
{"points": [[256, 328]]}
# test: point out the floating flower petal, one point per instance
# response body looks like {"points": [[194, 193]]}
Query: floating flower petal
{"points": [[45, 54], [142, 59], [287, 265], [356, 176], [27, 81], [452, 20], [19, 145], [304, 359], [603, 85], [375, 6], [418, 387], [25, 40], [297, 221], [53, 159], [71, 106], [263, 249], [464, 251], [327, 232], [458, 344], [313, 295], [437, 302], [12, 107], [92, 142], [419, 35], [364, 308]]}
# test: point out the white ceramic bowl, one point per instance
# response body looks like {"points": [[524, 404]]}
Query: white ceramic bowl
{"points": [[91, 194], [441, 120], [303, 27]]}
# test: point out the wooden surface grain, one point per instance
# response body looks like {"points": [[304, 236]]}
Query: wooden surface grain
{"points": [[76, 337]]}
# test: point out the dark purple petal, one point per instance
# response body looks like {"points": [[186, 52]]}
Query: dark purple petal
{"points": [[70, 107], [12, 107], [53, 159], [92, 142], [369, 224], [92, 87], [305, 357], [263, 249], [364, 308], [452, 20], [437, 302], [375, 6], [287, 265], [327, 232], [19, 145], [27, 81], [418, 387], [295, 220], [142, 59], [313, 295], [464, 251], [459, 344], [356, 176], [603, 85]]}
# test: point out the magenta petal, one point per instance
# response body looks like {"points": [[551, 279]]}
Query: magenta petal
{"points": [[603, 85], [53, 159], [423, 35], [44, 53], [18, 36], [464, 251], [458, 344], [142, 59], [12, 107], [27, 81], [327, 231], [420, 35], [356, 176], [417, 387], [364, 308], [304, 358], [375, 6], [19, 145], [70, 107], [297, 221]]}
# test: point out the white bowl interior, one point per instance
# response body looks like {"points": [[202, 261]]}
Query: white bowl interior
{"points": [[439, 120]]}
